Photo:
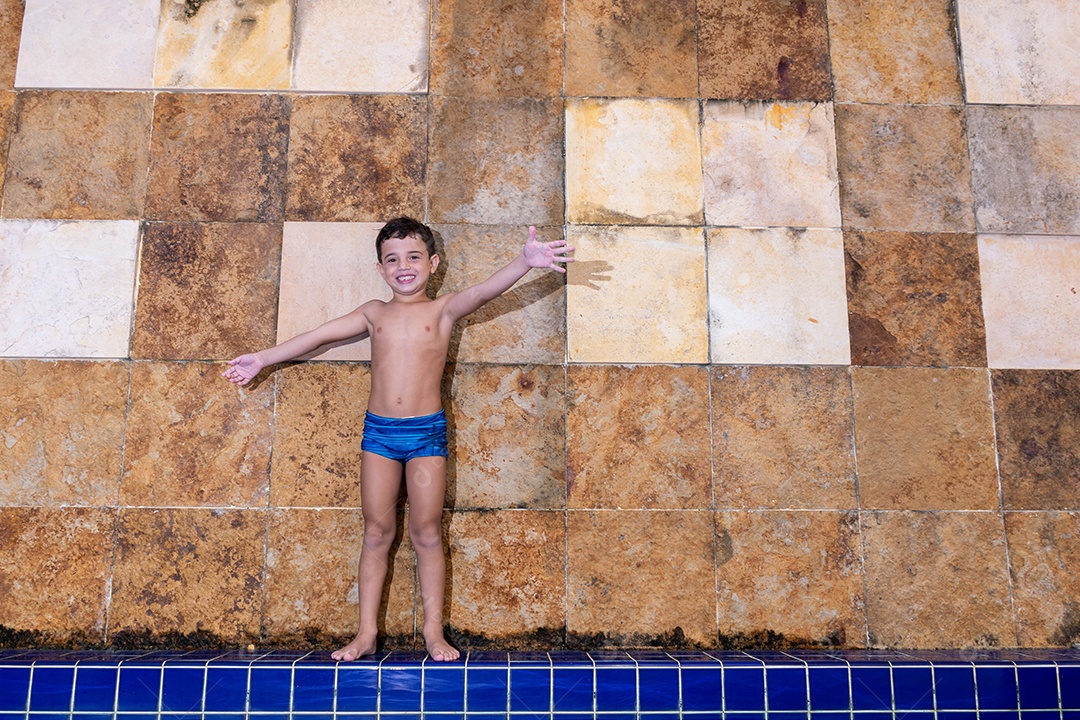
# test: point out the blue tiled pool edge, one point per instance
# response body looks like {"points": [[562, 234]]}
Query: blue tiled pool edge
{"points": [[279, 685]]}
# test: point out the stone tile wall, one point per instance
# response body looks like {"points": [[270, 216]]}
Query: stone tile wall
{"points": [[814, 379]]}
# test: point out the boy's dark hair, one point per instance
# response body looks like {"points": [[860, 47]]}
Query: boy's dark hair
{"points": [[401, 227]]}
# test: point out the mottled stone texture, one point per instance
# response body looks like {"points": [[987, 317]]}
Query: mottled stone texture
{"points": [[633, 48], [782, 438], [7, 112], [357, 157], [795, 573], [206, 290], [914, 299], [184, 570], [1044, 552], [1037, 415], [924, 439], [904, 168], [11, 16], [496, 47], [764, 49], [636, 574], [936, 580], [495, 160], [886, 52], [62, 425], [218, 157], [78, 155]]}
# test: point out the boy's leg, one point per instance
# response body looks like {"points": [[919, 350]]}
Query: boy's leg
{"points": [[425, 479]]}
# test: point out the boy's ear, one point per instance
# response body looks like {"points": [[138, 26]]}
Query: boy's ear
{"points": [[434, 262]]}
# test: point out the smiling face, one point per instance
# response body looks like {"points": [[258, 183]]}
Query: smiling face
{"points": [[406, 265]]}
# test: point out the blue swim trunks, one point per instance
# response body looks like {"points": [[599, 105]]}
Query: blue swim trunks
{"points": [[403, 439]]}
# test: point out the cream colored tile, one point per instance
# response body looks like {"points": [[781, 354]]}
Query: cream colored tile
{"points": [[637, 294], [349, 46], [776, 296], [66, 287], [770, 164], [88, 44], [1031, 300], [633, 162], [327, 270]]}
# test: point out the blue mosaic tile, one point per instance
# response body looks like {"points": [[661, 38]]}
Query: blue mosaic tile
{"points": [[659, 689], [572, 689], [139, 688], [226, 689], [786, 688], [530, 689], [955, 687], [831, 716], [616, 688], [829, 688], [913, 687], [357, 688], [744, 688], [871, 688], [486, 689], [1041, 715], [999, 714], [444, 689], [182, 689], [1038, 687], [14, 687], [95, 689], [701, 688], [400, 689], [51, 689], [1069, 683], [996, 687], [270, 689], [314, 689]]}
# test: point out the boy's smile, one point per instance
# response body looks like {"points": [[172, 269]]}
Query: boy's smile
{"points": [[406, 265]]}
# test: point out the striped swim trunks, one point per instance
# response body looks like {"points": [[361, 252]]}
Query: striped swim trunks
{"points": [[403, 439]]}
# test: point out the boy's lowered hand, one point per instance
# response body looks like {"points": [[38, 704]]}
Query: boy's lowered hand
{"points": [[242, 369], [546, 255]]}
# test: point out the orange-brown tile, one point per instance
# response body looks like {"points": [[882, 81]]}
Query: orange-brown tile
{"points": [[193, 438], [635, 48], [78, 155], [11, 15], [1044, 552], [188, 570], [924, 439], [936, 580], [7, 111], [63, 429], [638, 437], [218, 157], [55, 566], [637, 574], [356, 157], [797, 574], [782, 438]]}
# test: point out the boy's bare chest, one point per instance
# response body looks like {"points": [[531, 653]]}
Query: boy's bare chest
{"points": [[417, 327]]}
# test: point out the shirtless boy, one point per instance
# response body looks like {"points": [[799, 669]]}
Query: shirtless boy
{"points": [[405, 424]]}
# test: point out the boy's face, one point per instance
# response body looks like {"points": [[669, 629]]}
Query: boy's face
{"points": [[406, 265]]}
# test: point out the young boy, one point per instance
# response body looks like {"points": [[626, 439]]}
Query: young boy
{"points": [[405, 424]]}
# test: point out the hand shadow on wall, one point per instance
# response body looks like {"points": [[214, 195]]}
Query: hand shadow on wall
{"points": [[589, 273]]}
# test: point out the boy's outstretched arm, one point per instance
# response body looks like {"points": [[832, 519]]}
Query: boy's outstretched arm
{"points": [[535, 255]]}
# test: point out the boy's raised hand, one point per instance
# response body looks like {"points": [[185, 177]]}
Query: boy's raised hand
{"points": [[242, 369], [546, 255]]}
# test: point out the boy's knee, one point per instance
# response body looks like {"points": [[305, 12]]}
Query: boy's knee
{"points": [[379, 534], [426, 535]]}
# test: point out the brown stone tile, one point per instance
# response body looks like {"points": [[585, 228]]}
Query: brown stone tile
{"points": [[506, 573], [206, 290], [638, 437], [885, 52], [496, 47], [936, 580], [63, 430], [507, 437], [195, 439], [187, 570], [1037, 417], [78, 155], [7, 112], [782, 438], [356, 157], [1044, 552], [924, 439], [11, 15], [914, 299], [764, 50], [635, 48], [55, 565], [904, 168], [317, 433], [496, 161], [798, 574], [218, 157], [637, 574], [311, 563]]}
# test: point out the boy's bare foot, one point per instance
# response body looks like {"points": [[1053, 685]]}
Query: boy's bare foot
{"points": [[439, 649], [359, 647]]}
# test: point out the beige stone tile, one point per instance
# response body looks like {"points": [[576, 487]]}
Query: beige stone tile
{"points": [[346, 46], [924, 439], [782, 438], [62, 426], [55, 568], [1020, 52], [885, 52], [11, 17], [1044, 550], [797, 574], [237, 46], [637, 295], [770, 164], [638, 437], [67, 287], [636, 48], [1031, 300], [194, 439], [633, 162], [327, 270], [507, 436], [776, 296], [89, 44], [658, 564], [936, 580]]}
